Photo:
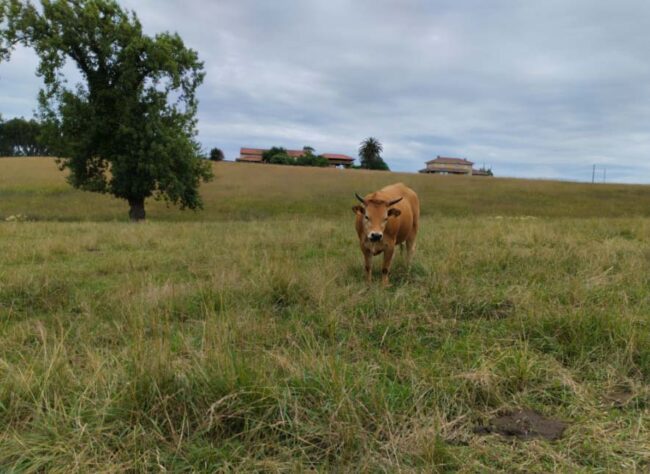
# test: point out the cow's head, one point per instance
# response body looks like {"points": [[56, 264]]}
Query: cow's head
{"points": [[375, 214]]}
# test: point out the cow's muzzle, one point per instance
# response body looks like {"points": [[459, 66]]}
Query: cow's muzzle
{"points": [[375, 236]]}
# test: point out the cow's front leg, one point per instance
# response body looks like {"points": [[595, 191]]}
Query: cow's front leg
{"points": [[388, 259], [367, 257]]}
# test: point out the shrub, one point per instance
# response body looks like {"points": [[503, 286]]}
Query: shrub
{"points": [[268, 155], [216, 154], [309, 159]]}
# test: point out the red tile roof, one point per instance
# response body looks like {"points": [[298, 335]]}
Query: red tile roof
{"points": [[450, 161], [251, 151], [337, 156]]}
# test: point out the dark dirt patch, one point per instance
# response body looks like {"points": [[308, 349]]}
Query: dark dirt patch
{"points": [[524, 424]]}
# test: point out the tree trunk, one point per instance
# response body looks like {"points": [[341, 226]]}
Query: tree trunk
{"points": [[136, 211]]}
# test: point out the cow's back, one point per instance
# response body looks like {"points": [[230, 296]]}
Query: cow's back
{"points": [[408, 221]]}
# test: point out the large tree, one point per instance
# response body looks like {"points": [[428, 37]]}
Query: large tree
{"points": [[129, 127], [370, 154]]}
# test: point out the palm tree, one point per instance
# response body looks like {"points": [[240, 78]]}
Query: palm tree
{"points": [[370, 154]]}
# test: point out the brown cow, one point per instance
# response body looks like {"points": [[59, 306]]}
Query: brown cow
{"points": [[387, 218]]}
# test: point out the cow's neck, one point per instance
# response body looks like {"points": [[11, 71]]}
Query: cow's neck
{"points": [[375, 247]]}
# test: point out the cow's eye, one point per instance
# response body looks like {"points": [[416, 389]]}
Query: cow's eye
{"points": [[366, 218]]}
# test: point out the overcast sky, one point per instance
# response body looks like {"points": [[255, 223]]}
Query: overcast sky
{"points": [[541, 89]]}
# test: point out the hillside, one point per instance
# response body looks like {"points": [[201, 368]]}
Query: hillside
{"points": [[247, 340], [34, 187]]}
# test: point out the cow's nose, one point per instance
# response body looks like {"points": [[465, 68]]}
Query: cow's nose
{"points": [[375, 236]]}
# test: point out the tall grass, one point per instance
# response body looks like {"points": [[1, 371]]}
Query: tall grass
{"points": [[253, 343]]}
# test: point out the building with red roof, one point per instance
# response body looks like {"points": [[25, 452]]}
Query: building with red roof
{"points": [[254, 155], [448, 165]]}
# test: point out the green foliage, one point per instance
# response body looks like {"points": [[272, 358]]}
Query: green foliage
{"points": [[281, 159], [309, 159], [129, 128], [267, 156], [216, 154], [370, 155], [21, 137], [279, 156]]}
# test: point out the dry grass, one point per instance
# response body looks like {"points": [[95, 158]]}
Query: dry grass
{"points": [[33, 187], [252, 343]]}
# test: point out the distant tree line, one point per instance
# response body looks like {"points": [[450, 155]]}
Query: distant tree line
{"points": [[279, 156], [22, 137]]}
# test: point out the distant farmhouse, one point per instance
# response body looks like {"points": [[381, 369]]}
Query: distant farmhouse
{"points": [[446, 165], [254, 155]]}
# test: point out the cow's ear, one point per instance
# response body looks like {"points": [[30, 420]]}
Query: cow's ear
{"points": [[394, 212], [358, 210]]}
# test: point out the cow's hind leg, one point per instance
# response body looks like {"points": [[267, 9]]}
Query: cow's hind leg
{"points": [[410, 241], [410, 250]]}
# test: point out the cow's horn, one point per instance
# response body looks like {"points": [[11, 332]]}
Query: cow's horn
{"points": [[360, 198], [392, 203]]}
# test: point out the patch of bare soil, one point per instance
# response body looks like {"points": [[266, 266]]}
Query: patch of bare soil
{"points": [[524, 424]]}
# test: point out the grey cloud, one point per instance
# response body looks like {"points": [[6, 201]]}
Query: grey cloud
{"points": [[534, 89]]}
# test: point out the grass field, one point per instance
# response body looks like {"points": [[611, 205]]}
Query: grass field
{"points": [[35, 188], [243, 336]]}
